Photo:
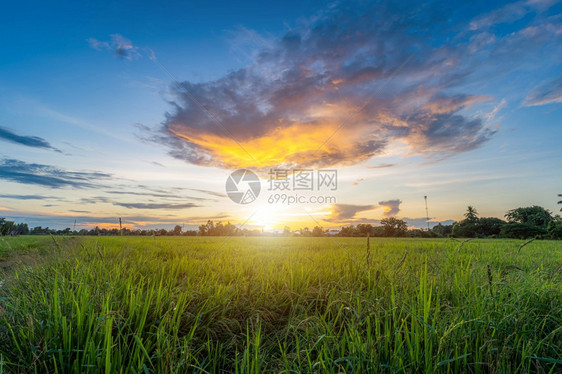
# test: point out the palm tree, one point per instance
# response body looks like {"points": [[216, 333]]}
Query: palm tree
{"points": [[560, 202], [471, 213]]}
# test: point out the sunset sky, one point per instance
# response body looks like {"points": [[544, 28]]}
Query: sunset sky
{"points": [[142, 111]]}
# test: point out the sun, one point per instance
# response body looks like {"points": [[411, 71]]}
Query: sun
{"points": [[267, 216]]}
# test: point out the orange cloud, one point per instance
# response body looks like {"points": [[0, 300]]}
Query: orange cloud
{"points": [[296, 144]]}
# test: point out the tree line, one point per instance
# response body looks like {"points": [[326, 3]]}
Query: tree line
{"points": [[519, 223]]}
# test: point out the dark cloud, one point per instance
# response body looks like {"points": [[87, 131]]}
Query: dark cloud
{"points": [[382, 166], [121, 46], [94, 200], [25, 197], [341, 212], [547, 93], [208, 192], [361, 74], [390, 207], [156, 205], [160, 195], [29, 141], [49, 176]]}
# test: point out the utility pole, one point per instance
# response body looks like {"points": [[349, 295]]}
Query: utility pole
{"points": [[426, 213]]}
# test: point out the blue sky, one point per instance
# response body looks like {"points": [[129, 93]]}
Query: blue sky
{"points": [[460, 102]]}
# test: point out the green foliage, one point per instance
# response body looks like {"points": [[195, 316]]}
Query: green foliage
{"points": [[490, 226], [442, 230], [475, 227], [417, 233], [292, 305], [394, 227], [317, 231], [471, 213], [522, 231], [467, 228], [533, 215], [555, 229]]}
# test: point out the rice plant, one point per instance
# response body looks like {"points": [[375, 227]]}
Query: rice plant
{"points": [[252, 305]]}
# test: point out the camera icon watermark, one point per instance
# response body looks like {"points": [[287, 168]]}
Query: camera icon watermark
{"points": [[243, 186]]}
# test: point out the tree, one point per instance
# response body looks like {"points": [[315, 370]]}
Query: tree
{"points": [[560, 202], [467, 228], [555, 229], [176, 230], [317, 231], [394, 226], [471, 213], [442, 230], [488, 226], [7, 227], [364, 229], [305, 231], [516, 230], [347, 231], [533, 215]]}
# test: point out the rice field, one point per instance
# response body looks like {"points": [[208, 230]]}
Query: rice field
{"points": [[279, 305]]}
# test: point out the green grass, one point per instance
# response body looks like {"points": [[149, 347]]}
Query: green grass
{"points": [[249, 305]]}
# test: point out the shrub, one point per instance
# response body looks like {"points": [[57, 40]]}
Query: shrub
{"points": [[522, 231]]}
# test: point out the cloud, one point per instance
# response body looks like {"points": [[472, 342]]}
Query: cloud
{"points": [[390, 207], [547, 93], [49, 176], [510, 13], [94, 200], [121, 46], [25, 197], [341, 212], [357, 181], [336, 90], [381, 166], [29, 141], [209, 192], [159, 194], [156, 205]]}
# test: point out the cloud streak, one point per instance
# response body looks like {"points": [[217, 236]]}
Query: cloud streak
{"points": [[25, 197], [28, 141], [547, 93], [49, 176], [157, 205], [121, 46]]}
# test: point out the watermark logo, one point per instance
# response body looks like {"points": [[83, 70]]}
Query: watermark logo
{"points": [[285, 186], [243, 186], [302, 180]]}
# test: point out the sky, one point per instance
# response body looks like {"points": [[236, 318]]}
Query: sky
{"points": [[142, 110]]}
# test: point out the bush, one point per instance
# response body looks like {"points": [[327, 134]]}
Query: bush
{"points": [[522, 231], [555, 229], [466, 228]]}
